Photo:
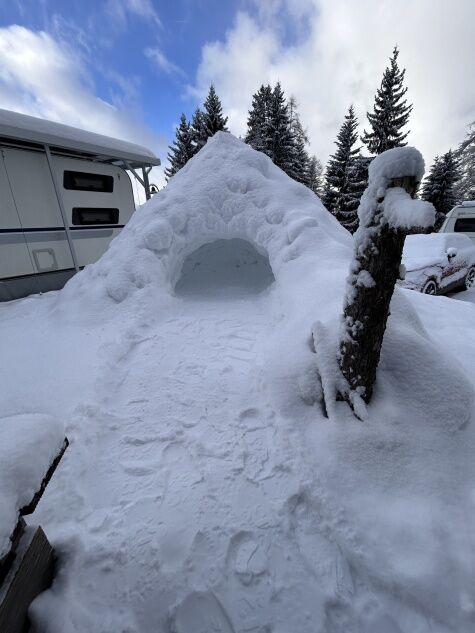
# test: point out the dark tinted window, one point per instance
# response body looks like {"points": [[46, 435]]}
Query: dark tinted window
{"points": [[82, 181], [95, 216], [464, 225]]}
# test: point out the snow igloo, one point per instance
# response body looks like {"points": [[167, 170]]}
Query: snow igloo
{"points": [[228, 219]]}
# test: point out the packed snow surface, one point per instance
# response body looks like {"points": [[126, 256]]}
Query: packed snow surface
{"points": [[28, 445], [204, 490]]}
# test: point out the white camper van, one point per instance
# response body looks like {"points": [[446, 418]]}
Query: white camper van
{"points": [[461, 220], [64, 194]]}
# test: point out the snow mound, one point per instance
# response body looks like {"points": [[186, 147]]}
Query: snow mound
{"points": [[228, 190], [28, 445]]}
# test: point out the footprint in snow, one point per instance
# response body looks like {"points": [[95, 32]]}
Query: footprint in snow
{"points": [[139, 471], [201, 612], [182, 470], [133, 440], [247, 557], [249, 414], [322, 556]]}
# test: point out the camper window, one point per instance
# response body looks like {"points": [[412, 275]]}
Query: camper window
{"points": [[465, 225], [95, 216], [82, 181]]}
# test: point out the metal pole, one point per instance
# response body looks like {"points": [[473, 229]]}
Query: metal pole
{"points": [[148, 195], [61, 207], [127, 165]]}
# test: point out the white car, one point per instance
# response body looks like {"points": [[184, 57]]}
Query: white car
{"points": [[438, 263], [461, 220]]}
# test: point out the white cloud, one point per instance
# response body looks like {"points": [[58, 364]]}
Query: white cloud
{"points": [[162, 62], [336, 54], [144, 9], [117, 11], [41, 77]]}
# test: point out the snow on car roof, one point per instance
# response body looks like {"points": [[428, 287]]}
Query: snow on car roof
{"points": [[435, 244], [21, 127], [421, 245]]}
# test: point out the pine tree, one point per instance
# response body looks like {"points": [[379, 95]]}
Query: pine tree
{"points": [[213, 119], [314, 175], [257, 119], [343, 174], [277, 132], [198, 131], [274, 128], [391, 111], [358, 182], [439, 186], [329, 195], [300, 159], [465, 187], [182, 148]]}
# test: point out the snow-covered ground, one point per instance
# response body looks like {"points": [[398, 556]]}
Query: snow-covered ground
{"points": [[203, 489], [466, 295]]}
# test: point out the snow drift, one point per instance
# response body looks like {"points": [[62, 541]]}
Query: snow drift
{"points": [[204, 490]]}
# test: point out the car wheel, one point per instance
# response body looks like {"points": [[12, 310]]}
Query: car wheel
{"points": [[430, 287], [470, 278]]}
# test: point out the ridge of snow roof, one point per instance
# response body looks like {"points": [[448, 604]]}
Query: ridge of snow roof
{"points": [[22, 127]]}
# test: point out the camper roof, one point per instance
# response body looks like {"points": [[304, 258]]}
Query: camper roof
{"points": [[15, 127]]}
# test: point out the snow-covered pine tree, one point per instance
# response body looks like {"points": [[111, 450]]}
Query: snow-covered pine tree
{"points": [[341, 194], [274, 127], [391, 111], [300, 158], [213, 119], [329, 195], [358, 181], [182, 148], [277, 132], [314, 175], [257, 119], [439, 186], [465, 154], [198, 130]]}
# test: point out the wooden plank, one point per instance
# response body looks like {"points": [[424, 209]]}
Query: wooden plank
{"points": [[30, 507], [7, 560], [34, 575]]}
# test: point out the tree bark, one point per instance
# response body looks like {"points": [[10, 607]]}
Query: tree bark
{"points": [[375, 273]]}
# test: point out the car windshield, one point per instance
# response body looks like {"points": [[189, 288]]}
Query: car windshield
{"points": [[422, 246]]}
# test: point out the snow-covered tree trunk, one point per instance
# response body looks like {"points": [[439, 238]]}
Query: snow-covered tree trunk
{"points": [[387, 213]]}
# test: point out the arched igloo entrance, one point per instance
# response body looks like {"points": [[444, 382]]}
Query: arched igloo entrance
{"points": [[223, 268]]}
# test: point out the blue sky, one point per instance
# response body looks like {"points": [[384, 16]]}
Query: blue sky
{"points": [[128, 68], [113, 40]]}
